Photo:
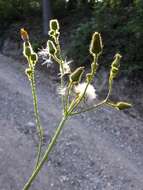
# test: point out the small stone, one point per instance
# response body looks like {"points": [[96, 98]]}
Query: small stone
{"points": [[30, 124]]}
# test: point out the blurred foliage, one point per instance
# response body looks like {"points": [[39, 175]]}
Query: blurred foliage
{"points": [[64, 8], [121, 26], [119, 22], [11, 10], [59, 8], [14, 12]]}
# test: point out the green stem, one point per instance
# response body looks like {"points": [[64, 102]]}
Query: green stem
{"points": [[95, 59], [95, 106], [89, 109], [62, 86], [109, 90], [45, 157], [67, 98], [37, 118], [71, 108], [60, 61]]}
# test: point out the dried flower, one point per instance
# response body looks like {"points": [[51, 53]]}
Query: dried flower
{"points": [[47, 62], [24, 34], [66, 66], [45, 56], [62, 91], [43, 52]]}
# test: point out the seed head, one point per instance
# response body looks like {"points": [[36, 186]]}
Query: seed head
{"points": [[90, 91]]}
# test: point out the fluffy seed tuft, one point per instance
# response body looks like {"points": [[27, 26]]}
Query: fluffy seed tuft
{"points": [[90, 92]]}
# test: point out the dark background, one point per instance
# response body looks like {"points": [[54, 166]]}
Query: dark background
{"points": [[118, 21]]}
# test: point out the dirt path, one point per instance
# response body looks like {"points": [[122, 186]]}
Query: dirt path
{"points": [[98, 151]]}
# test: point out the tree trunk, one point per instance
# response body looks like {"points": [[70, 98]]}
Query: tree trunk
{"points": [[46, 16]]}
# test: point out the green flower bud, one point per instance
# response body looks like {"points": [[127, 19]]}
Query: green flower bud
{"points": [[51, 47], [34, 58], [114, 72], [116, 62], [27, 49], [51, 33], [54, 34], [96, 45], [57, 34], [115, 66], [75, 77], [28, 72], [89, 77], [54, 25], [123, 105]]}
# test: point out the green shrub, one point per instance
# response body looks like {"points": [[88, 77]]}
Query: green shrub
{"points": [[17, 9], [80, 39], [121, 25]]}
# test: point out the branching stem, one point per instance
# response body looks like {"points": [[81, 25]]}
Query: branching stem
{"points": [[37, 118], [45, 157]]}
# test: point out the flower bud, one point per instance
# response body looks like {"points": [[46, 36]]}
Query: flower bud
{"points": [[54, 34], [76, 75], [27, 49], [96, 45], [89, 77], [114, 71], [51, 48], [51, 33], [34, 58], [123, 105], [116, 62], [115, 66], [24, 35], [54, 25], [28, 72]]}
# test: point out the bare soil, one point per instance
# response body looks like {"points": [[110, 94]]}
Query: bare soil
{"points": [[102, 150]]}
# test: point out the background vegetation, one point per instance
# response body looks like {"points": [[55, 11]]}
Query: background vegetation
{"points": [[119, 21]]}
